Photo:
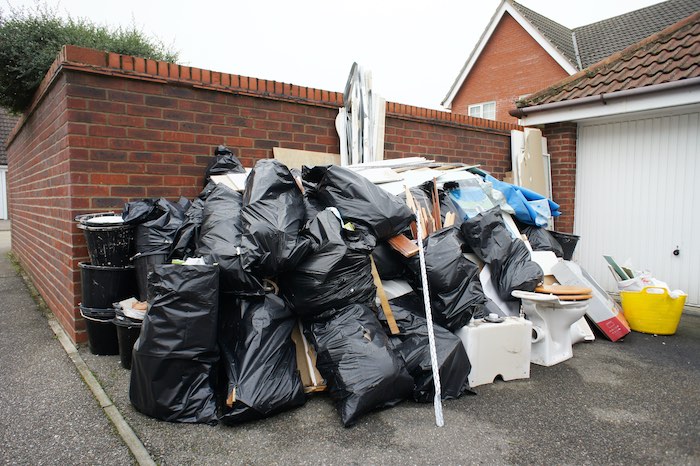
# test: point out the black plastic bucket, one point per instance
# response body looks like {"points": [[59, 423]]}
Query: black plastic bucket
{"points": [[102, 286], [143, 264], [109, 242], [568, 243], [102, 334], [128, 331]]}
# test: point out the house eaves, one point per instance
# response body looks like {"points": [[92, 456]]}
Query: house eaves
{"points": [[661, 71], [506, 6]]}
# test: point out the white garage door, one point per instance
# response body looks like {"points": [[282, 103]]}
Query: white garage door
{"points": [[638, 198]]}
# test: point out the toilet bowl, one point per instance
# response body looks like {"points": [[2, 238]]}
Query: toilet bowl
{"points": [[551, 319]]}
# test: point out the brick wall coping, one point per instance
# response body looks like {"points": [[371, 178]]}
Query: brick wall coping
{"points": [[113, 64]]}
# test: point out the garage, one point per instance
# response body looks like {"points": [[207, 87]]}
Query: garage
{"points": [[637, 199], [635, 122]]}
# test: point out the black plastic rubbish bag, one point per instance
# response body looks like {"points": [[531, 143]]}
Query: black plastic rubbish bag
{"points": [[223, 162], [259, 359], [336, 274], [174, 361], [312, 205], [157, 223], [448, 205], [220, 240], [136, 212], [355, 357], [185, 242], [508, 258], [541, 240], [390, 264], [456, 294], [359, 200], [273, 214], [412, 345]]}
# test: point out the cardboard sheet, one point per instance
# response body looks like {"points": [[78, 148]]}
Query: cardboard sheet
{"points": [[294, 158]]}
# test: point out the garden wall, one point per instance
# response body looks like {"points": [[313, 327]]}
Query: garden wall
{"points": [[105, 129]]}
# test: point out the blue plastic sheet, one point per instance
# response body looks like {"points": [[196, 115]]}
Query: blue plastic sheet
{"points": [[530, 207]]}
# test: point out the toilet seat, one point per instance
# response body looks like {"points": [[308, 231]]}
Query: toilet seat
{"points": [[563, 290]]}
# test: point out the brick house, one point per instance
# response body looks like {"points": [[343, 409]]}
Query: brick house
{"points": [[522, 51], [632, 122]]}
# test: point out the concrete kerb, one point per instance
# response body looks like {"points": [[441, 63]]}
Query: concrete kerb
{"points": [[127, 434]]}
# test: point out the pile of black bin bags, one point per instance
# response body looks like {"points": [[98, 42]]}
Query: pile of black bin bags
{"points": [[216, 342]]}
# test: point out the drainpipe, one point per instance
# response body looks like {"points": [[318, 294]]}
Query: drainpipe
{"points": [[605, 98]]}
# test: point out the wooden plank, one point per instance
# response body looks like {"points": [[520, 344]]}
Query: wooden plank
{"points": [[311, 378], [436, 206], [449, 219], [411, 203], [429, 223], [294, 158], [231, 399], [300, 184], [403, 246], [532, 166], [383, 299]]}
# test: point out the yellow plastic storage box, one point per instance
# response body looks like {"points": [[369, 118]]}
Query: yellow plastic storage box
{"points": [[652, 310]]}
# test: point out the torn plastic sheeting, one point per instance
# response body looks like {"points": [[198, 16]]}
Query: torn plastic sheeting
{"points": [[272, 216], [508, 258], [355, 357], [223, 162], [470, 197], [541, 240], [173, 372], [527, 205], [336, 274], [455, 290], [220, 240], [259, 359], [359, 201], [412, 345]]}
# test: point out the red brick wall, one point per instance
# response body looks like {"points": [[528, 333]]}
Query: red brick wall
{"points": [[561, 144], [39, 182], [447, 144], [511, 64], [97, 137]]}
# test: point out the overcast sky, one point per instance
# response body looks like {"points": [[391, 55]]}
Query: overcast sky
{"points": [[413, 48]]}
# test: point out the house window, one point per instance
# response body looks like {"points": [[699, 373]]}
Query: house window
{"points": [[483, 110]]}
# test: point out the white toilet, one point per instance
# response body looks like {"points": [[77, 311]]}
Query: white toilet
{"points": [[551, 325]]}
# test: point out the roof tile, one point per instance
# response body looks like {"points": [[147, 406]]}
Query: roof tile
{"points": [[599, 40], [670, 55], [7, 123]]}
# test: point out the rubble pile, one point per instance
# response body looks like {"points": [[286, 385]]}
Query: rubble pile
{"points": [[274, 284]]}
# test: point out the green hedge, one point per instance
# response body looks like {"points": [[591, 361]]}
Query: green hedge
{"points": [[31, 39]]}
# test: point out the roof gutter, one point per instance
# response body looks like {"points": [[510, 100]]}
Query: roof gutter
{"points": [[605, 98]]}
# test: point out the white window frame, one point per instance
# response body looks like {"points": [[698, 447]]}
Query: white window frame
{"points": [[479, 110]]}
